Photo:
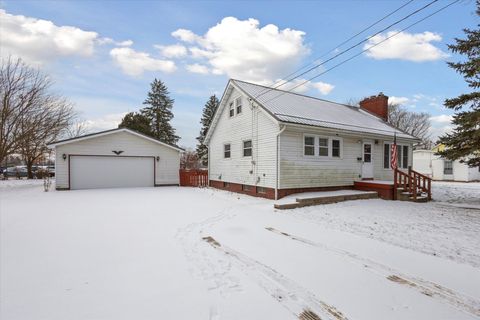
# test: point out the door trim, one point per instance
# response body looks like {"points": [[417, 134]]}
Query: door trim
{"points": [[371, 143]]}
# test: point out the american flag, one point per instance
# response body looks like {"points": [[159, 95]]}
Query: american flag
{"points": [[393, 160]]}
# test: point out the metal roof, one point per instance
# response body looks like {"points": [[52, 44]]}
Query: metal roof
{"points": [[295, 108]]}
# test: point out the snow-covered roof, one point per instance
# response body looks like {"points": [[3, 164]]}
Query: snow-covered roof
{"points": [[295, 108], [111, 131]]}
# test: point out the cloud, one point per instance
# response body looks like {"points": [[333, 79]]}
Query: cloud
{"points": [[440, 125], [242, 49], [415, 47], [322, 87], [398, 100], [38, 41], [172, 51], [197, 68], [126, 43], [106, 122], [442, 119], [135, 63]]}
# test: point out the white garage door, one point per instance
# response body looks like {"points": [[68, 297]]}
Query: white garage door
{"points": [[89, 172]]}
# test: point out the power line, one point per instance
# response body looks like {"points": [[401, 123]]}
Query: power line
{"points": [[344, 42], [358, 54], [351, 47]]}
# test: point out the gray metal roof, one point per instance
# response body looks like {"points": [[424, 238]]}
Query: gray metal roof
{"points": [[295, 108]]}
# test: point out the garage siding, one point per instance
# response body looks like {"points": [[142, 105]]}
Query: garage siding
{"points": [[132, 145]]}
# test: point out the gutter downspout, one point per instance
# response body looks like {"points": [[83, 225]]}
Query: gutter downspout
{"points": [[277, 165]]}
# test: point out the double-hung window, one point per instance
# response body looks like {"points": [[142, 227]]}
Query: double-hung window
{"points": [[402, 156], [226, 150], [323, 147], [247, 148], [447, 167], [231, 110], [386, 156], [309, 145], [238, 105]]}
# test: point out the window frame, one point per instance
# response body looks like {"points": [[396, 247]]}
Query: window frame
{"points": [[237, 105], [247, 187], [400, 157], [316, 147], [445, 167], [229, 150], [231, 110], [261, 190], [310, 146], [243, 148]]}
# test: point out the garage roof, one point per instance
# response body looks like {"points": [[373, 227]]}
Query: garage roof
{"points": [[107, 132]]}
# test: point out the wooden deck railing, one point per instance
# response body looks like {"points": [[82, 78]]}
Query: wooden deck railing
{"points": [[412, 182], [193, 178]]}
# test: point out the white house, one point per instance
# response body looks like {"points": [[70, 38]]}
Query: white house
{"points": [[438, 168], [272, 143], [115, 158]]}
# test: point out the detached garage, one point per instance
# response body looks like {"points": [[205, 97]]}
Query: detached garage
{"points": [[118, 158]]}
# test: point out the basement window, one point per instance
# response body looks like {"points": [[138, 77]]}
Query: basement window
{"points": [[246, 187], [261, 190], [226, 150], [226, 185], [247, 148]]}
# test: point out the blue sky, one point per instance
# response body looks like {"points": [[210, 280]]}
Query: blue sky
{"points": [[102, 55]]}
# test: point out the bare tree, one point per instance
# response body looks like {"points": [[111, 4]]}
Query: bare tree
{"points": [[415, 123], [189, 160], [30, 114], [76, 129]]}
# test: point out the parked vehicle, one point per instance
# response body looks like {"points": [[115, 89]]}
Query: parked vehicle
{"points": [[51, 171], [19, 172]]}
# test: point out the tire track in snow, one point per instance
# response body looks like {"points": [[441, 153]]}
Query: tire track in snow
{"points": [[298, 300], [458, 300]]}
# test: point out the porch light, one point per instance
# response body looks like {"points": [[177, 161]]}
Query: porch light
{"points": [[64, 156], [158, 158]]}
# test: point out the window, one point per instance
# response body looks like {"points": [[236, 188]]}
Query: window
{"points": [[323, 147], [309, 146], [367, 152], [447, 167], [261, 190], [247, 148], [226, 150], [226, 185], [405, 157], [232, 110], [246, 187], [336, 148], [386, 156], [238, 104]]}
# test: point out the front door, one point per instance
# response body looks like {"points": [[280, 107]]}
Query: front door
{"points": [[367, 154]]}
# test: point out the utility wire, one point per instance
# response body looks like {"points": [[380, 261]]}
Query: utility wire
{"points": [[350, 48], [344, 42], [365, 50]]}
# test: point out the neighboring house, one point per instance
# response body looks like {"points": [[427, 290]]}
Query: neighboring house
{"points": [[438, 168], [272, 143], [115, 158]]}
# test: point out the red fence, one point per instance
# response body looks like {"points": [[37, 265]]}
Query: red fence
{"points": [[193, 178]]}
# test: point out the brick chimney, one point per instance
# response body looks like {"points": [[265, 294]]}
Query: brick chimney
{"points": [[377, 105]]}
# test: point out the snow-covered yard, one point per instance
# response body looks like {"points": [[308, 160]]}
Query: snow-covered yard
{"points": [[185, 253]]}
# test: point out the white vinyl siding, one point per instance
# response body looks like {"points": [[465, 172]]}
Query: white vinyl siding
{"points": [[255, 125], [166, 168]]}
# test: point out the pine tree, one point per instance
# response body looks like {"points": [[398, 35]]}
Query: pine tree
{"points": [[464, 142], [207, 117], [137, 122], [159, 111]]}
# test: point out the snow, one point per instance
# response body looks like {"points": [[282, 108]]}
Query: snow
{"points": [[320, 194], [140, 254]]}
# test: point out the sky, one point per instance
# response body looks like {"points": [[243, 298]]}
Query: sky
{"points": [[103, 55]]}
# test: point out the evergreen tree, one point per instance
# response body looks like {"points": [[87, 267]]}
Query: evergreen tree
{"points": [[464, 142], [207, 117], [159, 111], [137, 122]]}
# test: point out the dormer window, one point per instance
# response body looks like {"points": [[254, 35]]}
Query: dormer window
{"points": [[238, 104], [232, 109]]}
